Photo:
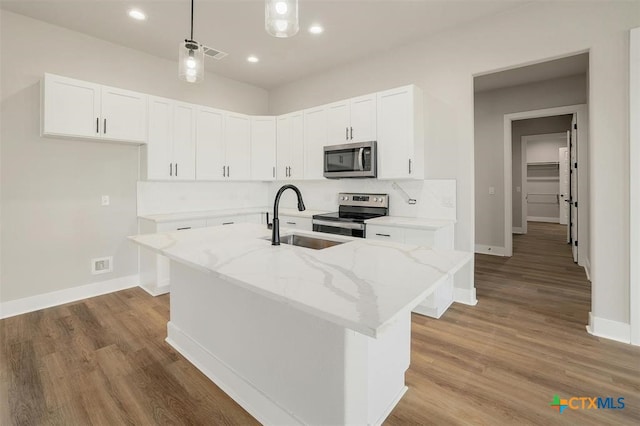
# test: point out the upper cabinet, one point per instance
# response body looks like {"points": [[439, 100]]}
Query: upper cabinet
{"points": [[400, 134], [352, 120], [315, 139], [263, 148], [238, 146], [290, 146], [75, 108], [171, 150]]}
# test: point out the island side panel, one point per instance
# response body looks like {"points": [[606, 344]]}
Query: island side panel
{"points": [[281, 364]]}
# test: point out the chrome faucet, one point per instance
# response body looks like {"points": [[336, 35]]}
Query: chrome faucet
{"points": [[275, 233]]}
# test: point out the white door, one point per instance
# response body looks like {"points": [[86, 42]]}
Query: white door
{"points": [[338, 123], [71, 107], [563, 158], [395, 136], [363, 119], [263, 148], [159, 145], [184, 141], [210, 144], [573, 166], [315, 139], [238, 146], [296, 167], [124, 115]]}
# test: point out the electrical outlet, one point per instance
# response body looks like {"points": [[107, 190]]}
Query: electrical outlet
{"points": [[101, 265], [518, 189], [492, 190], [448, 202], [105, 200]]}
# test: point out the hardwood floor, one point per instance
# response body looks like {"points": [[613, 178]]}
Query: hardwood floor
{"points": [[104, 360]]}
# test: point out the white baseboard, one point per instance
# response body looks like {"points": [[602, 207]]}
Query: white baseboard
{"points": [[156, 290], [517, 230], [465, 296], [60, 297], [543, 219], [494, 250], [614, 330], [587, 268]]}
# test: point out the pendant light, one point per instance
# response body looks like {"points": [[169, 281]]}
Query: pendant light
{"points": [[191, 58], [281, 17]]}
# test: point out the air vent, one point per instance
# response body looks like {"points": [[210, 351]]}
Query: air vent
{"points": [[213, 53]]}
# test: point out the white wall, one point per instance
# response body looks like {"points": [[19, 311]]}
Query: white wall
{"points": [[52, 220], [490, 108], [444, 66]]}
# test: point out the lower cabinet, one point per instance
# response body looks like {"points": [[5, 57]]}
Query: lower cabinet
{"points": [[295, 222], [154, 268], [441, 238]]}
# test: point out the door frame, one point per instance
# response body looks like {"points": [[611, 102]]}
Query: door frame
{"points": [[523, 169], [634, 185], [582, 146]]}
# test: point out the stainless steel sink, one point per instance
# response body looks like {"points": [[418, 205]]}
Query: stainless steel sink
{"points": [[307, 242]]}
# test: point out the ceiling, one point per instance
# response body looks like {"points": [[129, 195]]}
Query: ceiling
{"points": [[353, 29], [557, 68]]}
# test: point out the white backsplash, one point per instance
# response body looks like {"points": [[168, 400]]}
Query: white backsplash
{"points": [[436, 198], [178, 197]]}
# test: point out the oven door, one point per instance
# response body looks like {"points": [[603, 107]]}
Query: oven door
{"points": [[350, 229], [350, 160]]}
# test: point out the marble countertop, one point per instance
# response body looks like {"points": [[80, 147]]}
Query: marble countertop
{"points": [[361, 284], [171, 217], [410, 222]]}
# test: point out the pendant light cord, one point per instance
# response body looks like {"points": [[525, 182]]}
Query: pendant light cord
{"points": [[191, 20]]}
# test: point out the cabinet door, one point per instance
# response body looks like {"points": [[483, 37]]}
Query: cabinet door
{"points": [[363, 119], [238, 146], [395, 134], [209, 144], [385, 233], [159, 145], [296, 166], [263, 148], [184, 141], [284, 145], [338, 123], [315, 139], [124, 115], [70, 107]]}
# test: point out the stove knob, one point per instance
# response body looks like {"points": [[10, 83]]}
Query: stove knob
{"points": [[375, 199], [381, 200]]}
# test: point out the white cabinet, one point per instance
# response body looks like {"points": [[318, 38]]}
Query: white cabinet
{"points": [[400, 134], [295, 222], [232, 219], [210, 161], [75, 108], [315, 139], [223, 145], [290, 146], [352, 120], [170, 150], [263, 148], [238, 146]]}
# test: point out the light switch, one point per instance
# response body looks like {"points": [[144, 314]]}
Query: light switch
{"points": [[492, 190], [517, 189], [105, 200]]}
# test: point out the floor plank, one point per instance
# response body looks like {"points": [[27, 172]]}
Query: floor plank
{"points": [[104, 360]]}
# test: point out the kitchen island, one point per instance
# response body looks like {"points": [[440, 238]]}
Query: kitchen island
{"points": [[296, 335]]}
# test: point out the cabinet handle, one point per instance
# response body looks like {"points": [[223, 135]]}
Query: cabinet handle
{"points": [[182, 229], [98, 125], [291, 223], [346, 135], [274, 171], [104, 128], [176, 169], [170, 169], [352, 133], [224, 171], [409, 165], [227, 223], [289, 171], [228, 172], [383, 235]]}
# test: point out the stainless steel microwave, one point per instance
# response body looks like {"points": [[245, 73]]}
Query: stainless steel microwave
{"points": [[352, 160]]}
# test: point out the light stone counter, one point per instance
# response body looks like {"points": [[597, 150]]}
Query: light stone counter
{"points": [[361, 285], [411, 222], [204, 214]]}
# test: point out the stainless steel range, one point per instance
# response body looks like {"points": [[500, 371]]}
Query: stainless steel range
{"points": [[353, 210]]}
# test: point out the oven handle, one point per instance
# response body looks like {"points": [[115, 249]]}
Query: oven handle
{"points": [[361, 159], [345, 225]]}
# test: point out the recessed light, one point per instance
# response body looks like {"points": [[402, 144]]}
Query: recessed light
{"points": [[316, 29], [253, 59], [137, 14]]}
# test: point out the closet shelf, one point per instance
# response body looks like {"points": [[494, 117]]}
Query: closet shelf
{"points": [[544, 163], [545, 178]]}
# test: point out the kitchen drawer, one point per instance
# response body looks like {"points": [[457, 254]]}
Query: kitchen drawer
{"points": [[222, 220], [303, 223], [385, 233], [180, 225], [420, 237]]}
